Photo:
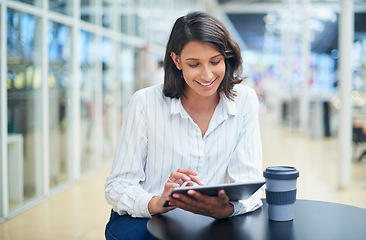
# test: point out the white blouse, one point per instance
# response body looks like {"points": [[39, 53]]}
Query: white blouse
{"points": [[158, 137]]}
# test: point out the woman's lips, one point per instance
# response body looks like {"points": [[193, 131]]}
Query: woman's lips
{"points": [[206, 84]]}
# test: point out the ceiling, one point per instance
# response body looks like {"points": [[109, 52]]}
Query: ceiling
{"points": [[248, 18]]}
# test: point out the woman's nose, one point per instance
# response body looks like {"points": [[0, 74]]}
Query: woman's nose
{"points": [[206, 73]]}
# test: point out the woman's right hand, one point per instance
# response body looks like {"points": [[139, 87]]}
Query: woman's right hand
{"points": [[183, 175], [176, 179]]}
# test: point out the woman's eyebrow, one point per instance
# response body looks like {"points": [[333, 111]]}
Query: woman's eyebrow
{"points": [[218, 55]]}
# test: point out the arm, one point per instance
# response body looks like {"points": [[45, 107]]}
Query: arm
{"points": [[246, 161], [122, 188]]}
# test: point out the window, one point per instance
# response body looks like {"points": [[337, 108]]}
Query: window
{"points": [[24, 79], [88, 107], [59, 87]]}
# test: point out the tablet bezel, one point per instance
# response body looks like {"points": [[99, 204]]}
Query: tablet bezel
{"points": [[235, 191]]}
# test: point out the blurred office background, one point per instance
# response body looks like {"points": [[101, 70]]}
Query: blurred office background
{"points": [[69, 67]]}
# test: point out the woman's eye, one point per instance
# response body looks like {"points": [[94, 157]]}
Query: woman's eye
{"points": [[215, 63], [193, 65]]}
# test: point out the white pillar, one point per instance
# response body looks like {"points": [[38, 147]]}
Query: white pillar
{"points": [[98, 86], [4, 191], [42, 173], [116, 24], [288, 52], [346, 35], [305, 59], [74, 163]]}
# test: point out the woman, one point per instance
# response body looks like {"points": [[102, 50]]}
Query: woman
{"points": [[200, 122]]}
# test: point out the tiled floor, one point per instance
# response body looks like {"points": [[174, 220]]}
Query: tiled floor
{"points": [[80, 212]]}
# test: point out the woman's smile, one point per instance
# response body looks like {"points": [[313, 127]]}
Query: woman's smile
{"points": [[207, 85], [203, 69]]}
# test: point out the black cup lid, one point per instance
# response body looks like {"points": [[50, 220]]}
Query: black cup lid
{"points": [[281, 172]]}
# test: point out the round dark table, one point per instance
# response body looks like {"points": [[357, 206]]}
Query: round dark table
{"points": [[313, 220]]}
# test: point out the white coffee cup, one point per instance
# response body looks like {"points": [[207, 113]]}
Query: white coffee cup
{"points": [[281, 192]]}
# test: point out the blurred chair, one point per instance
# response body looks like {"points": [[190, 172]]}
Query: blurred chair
{"points": [[359, 139]]}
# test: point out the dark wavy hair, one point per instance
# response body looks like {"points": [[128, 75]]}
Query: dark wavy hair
{"points": [[201, 27]]}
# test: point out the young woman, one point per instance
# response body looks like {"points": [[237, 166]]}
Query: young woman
{"points": [[201, 126]]}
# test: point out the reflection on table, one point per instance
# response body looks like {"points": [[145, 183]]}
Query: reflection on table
{"points": [[313, 220]]}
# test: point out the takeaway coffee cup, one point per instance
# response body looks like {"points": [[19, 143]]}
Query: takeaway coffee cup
{"points": [[281, 192]]}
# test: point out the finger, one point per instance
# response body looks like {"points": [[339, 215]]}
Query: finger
{"points": [[190, 204], [165, 195], [196, 180], [170, 185], [177, 203], [167, 209], [196, 195], [167, 187], [178, 176], [187, 171], [184, 201], [170, 203], [222, 196]]}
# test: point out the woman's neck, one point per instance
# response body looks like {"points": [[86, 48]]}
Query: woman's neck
{"points": [[200, 104], [201, 109]]}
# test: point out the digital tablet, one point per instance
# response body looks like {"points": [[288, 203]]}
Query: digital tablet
{"points": [[235, 191]]}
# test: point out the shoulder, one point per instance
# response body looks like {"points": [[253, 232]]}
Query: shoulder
{"points": [[244, 93], [150, 99], [153, 90], [147, 94]]}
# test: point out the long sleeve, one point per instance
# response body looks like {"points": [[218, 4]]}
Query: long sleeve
{"points": [[246, 161], [123, 187]]}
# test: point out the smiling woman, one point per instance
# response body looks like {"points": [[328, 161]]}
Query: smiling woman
{"points": [[198, 30], [201, 122], [203, 68]]}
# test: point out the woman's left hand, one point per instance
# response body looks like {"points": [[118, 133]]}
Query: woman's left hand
{"points": [[216, 207]]}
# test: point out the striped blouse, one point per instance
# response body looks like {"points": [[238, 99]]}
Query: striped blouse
{"points": [[158, 137]]}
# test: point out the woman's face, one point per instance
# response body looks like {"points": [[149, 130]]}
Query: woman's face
{"points": [[203, 68]]}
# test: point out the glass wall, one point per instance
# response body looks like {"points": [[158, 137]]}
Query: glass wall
{"points": [[24, 79], [110, 82], [127, 15], [2, 119], [59, 88], [61, 6], [88, 10], [68, 76], [88, 67], [110, 8], [126, 77], [38, 3]]}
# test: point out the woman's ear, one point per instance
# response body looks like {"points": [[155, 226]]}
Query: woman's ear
{"points": [[176, 60]]}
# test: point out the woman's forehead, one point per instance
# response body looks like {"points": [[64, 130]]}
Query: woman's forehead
{"points": [[196, 50]]}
